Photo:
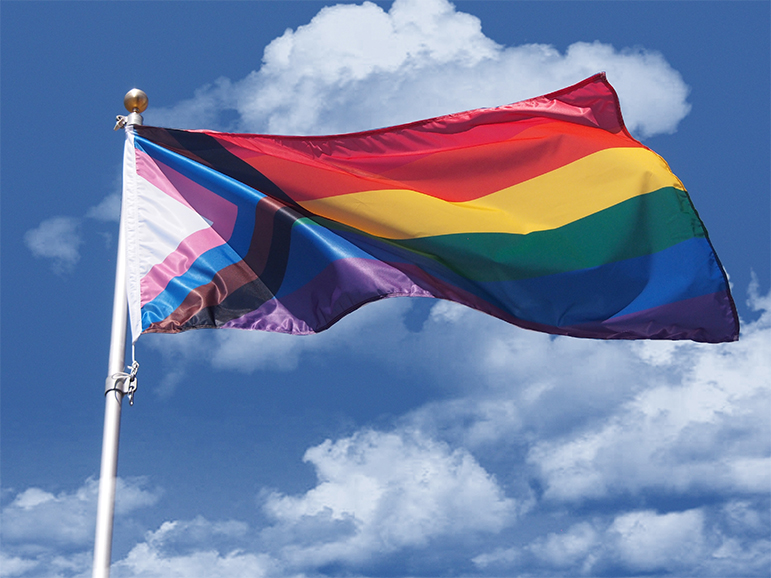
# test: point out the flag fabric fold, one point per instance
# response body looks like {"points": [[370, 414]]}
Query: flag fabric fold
{"points": [[545, 213]]}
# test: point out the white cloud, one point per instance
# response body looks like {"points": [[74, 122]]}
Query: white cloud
{"points": [[701, 424], [250, 351], [739, 556], [58, 239], [108, 209], [516, 386], [68, 518], [594, 418], [144, 561], [640, 541], [756, 301], [573, 551], [586, 419], [688, 542], [32, 497], [378, 492], [225, 349], [647, 541], [14, 565], [564, 549], [192, 549], [355, 67], [49, 535]]}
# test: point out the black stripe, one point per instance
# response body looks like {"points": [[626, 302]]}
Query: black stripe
{"points": [[270, 268], [208, 151]]}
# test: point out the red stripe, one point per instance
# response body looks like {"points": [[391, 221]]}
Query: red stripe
{"points": [[458, 167]]}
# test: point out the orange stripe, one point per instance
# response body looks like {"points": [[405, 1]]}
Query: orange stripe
{"points": [[457, 174]]}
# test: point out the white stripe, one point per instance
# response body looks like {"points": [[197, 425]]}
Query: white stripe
{"points": [[156, 224]]}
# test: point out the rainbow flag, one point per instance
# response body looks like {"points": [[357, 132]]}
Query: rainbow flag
{"points": [[545, 213]]}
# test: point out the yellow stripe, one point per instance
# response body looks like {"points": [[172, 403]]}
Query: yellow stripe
{"points": [[551, 200]]}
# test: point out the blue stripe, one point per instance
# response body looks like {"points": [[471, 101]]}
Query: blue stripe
{"points": [[313, 248], [683, 271], [200, 273], [686, 270]]}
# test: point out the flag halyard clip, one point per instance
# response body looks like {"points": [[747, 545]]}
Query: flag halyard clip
{"points": [[126, 383]]}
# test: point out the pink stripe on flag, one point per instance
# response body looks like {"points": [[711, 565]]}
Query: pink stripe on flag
{"points": [[220, 212], [148, 169], [178, 262]]}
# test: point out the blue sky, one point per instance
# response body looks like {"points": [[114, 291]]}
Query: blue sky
{"points": [[414, 438]]}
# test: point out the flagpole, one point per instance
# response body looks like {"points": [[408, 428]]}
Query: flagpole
{"points": [[118, 382]]}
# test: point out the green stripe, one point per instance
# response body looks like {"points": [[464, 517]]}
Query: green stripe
{"points": [[639, 226]]}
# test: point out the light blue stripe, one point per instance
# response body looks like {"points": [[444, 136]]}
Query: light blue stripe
{"points": [[200, 273]]}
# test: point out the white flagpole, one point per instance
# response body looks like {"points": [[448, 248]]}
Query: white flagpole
{"points": [[118, 382]]}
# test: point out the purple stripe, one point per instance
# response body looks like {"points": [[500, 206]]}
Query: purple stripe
{"points": [[314, 307], [707, 319], [342, 287]]}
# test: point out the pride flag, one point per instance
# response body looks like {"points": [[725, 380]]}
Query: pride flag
{"points": [[544, 213]]}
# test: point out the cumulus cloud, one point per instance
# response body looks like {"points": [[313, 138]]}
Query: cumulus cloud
{"points": [[594, 419], [690, 542], [38, 516], [633, 542], [14, 565], [629, 543], [566, 423], [378, 492], [589, 422], [192, 549], [47, 534], [108, 209], [250, 351], [700, 425], [522, 383], [60, 238], [234, 350], [144, 561], [355, 67], [647, 541]]}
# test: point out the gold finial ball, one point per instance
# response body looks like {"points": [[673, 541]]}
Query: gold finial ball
{"points": [[135, 100]]}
